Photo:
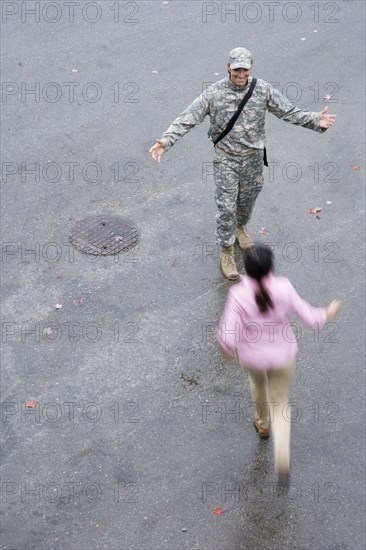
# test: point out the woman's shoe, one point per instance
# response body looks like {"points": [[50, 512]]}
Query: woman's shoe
{"points": [[284, 478], [263, 432]]}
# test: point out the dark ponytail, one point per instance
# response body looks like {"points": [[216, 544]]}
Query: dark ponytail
{"points": [[258, 261], [263, 299]]}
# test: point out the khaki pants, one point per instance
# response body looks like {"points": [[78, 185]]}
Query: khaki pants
{"points": [[269, 389]]}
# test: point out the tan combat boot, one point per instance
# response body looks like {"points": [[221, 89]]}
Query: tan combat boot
{"points": [[228, 265], [245, 241]]}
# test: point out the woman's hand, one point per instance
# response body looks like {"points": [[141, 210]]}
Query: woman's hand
{"points": [[333, 309], [227, 357]]}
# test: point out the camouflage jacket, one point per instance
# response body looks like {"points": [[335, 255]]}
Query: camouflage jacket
{"points": [[221, 100]]}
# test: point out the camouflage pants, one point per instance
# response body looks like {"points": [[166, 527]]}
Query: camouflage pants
{"points": [[238, 181]]}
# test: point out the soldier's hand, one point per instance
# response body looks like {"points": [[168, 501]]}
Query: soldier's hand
{"points": [[157, 150], [326, 120]]}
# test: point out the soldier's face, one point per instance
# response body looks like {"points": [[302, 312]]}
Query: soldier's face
{"points": [[239, 77]]}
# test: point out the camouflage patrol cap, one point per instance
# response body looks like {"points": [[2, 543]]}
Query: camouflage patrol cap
{"points": [[240, 58]]}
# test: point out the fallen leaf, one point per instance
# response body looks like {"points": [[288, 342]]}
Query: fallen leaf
{"points": [[31, 404], [263, 231], [356, 167], [328, 202], [218, 511], [315, 210], [58, 306]]}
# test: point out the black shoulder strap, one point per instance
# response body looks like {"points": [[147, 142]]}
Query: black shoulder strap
{"points": [[236, 115]]}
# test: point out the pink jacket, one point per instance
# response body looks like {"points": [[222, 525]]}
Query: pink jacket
{"points": [[264, 340]]}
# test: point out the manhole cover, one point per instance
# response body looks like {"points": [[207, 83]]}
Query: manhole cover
{"points": [[104, 235]]}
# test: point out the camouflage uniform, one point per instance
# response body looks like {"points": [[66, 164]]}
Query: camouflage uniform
{"points": [[238, 160]]}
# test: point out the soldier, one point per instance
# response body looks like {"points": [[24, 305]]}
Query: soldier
{"points": [[238, 161]]}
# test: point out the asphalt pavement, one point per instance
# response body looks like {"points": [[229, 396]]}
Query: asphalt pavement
{"points": [[121, 426]]}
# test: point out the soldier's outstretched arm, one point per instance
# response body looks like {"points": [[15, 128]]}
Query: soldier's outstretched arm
{"points": [[282, 108], [193, 115]]}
